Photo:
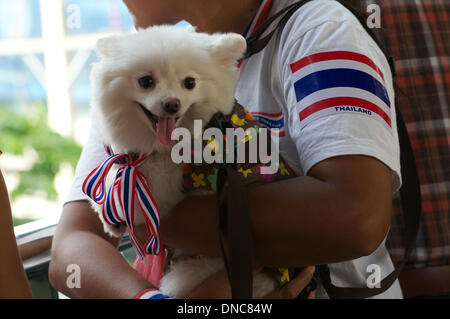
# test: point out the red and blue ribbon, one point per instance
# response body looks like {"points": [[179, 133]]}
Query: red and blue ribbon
{"points": [[129, 185]]}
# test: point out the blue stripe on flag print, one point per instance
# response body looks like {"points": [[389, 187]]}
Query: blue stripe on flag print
{"points": [[269, 122], [332, 78], [273, 121]]}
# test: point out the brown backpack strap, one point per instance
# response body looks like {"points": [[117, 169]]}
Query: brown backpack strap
{"points": [[235, 229], [254, 44], [233, 214]]}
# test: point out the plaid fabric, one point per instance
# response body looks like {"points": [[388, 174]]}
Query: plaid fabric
{"points": [[418, 34]]}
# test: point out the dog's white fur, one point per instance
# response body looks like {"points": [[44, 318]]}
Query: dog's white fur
{"points": [[169, 55]]}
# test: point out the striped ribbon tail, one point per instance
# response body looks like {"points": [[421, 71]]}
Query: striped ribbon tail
{"points": [[151, 214], [129, 184], [135, 187]]}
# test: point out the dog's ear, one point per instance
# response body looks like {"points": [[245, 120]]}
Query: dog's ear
{"points": [[108, 47], [228, 48]]}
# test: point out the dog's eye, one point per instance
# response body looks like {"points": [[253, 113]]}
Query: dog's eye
{"points": [[189, 83], [146, 82]]}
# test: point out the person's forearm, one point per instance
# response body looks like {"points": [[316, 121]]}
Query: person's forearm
{"points": [[304, 225], [296, 222], [312, 227], [341, 211], [104, 273], [79, 240]]}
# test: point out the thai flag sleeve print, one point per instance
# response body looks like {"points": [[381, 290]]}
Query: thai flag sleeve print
{"points": [[339, 93]]}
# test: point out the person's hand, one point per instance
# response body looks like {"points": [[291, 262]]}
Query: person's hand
{"points": [[217, 287], [295, 286]]}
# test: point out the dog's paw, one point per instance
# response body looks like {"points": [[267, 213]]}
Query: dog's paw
{"points": [[112, 230]]}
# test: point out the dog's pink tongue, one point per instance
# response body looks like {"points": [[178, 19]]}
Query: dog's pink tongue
{"points": [[164, 129]]}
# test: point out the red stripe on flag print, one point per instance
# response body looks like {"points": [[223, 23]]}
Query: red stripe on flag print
{"points": [[343, 101], [269, 114], [335, 55]]}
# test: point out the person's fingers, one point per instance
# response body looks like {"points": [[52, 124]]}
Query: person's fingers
{"points": [[312, 295], [293, 288], [299, 282]]}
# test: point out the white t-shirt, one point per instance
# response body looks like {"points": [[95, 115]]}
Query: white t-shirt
{"points": [[295, 84], [311, 82]]}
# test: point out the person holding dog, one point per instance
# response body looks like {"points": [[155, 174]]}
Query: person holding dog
{"points": [[327, 88]]}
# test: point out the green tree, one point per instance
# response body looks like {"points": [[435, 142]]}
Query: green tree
{"points": [[20, 131]]}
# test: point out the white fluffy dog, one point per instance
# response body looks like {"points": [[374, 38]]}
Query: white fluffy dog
{"points": [[146, 84]]}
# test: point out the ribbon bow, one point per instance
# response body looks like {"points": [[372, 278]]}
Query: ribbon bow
{"points": [[129, 184]]}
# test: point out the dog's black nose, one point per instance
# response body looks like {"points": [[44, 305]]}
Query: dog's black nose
{"points": [[171, 105]]}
